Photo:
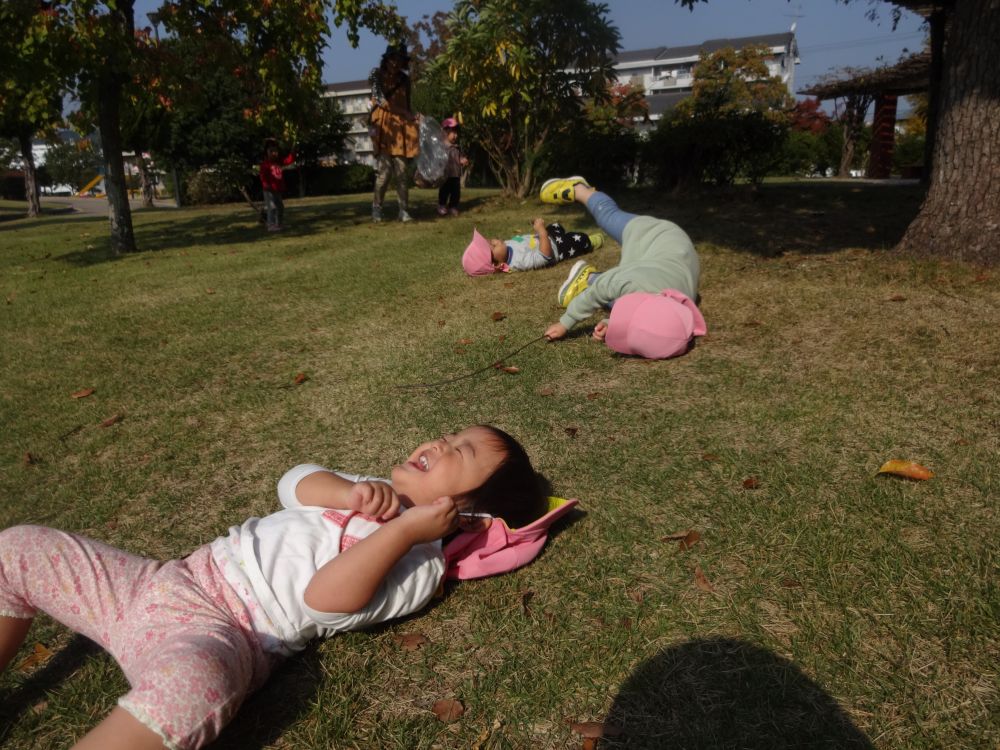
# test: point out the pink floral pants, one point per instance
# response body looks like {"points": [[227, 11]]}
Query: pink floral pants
{"points": [[178, 630]]}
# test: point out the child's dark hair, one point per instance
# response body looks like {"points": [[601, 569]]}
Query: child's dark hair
{"points": [[270, 143], [514, 491]]}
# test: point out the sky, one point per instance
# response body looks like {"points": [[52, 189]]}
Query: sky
{"points": [[830, 34]]}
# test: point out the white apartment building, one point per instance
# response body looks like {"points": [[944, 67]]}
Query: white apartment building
{"points": [[665, 74]]}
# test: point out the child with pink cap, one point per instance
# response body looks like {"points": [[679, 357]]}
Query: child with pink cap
{"points": [[651, 292], [450, 192], [548, 245], [196, 635]]}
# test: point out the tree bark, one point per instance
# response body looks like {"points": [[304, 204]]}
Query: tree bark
{"points": [[30, 177], [146, 178], [960, 216], [108, 107]]}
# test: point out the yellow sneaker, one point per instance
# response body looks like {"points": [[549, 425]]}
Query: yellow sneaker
{"points": [[575, 283], [559, 190], [596, 240]]}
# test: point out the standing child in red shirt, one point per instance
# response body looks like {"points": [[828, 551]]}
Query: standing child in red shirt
{"points": [[272, 180]]}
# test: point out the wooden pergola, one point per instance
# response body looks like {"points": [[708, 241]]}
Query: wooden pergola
{"points": [[884, 85]]}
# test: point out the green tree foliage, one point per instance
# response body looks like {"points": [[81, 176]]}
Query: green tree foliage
{"points": [[34, 73], [518, 72], [73, 164], [733, 124]]}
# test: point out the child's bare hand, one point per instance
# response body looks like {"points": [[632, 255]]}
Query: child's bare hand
{"points": [[375, 499], [428, 523], [538, 225], [600, 330], [555, 331], [463, 161]]}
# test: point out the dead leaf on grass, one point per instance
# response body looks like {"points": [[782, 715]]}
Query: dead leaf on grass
{"points": [[593, 396], [709, 457], [30, 458], [300, 378], [906, 469], [690, 539], [209, 291], [790, 583], [962, 441], [526, 598], [39, 656], [464, 342], [594, 729], [485, 735], [83, 393], [412, 641], [676, 536], [571, 431], [637, 595], [701, 581], [511, 369], [751, 483], [498, 316], [546, 392], [448, 710], [897, 298], [114, 419]]}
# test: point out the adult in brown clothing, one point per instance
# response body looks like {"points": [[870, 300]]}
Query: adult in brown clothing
{"points": [[393, 127]]}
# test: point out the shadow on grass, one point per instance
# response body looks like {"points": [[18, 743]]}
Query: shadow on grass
{"points": [[721, 692], [802, 217]]}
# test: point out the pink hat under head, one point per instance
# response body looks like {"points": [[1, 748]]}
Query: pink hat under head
{"points": [[654, 326], [499, 549], [477, 260]]}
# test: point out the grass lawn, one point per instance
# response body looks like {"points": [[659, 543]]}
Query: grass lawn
{"points": [[822, 606]]}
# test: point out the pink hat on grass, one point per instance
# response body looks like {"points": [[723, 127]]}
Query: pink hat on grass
{"points": [[654, 326], [499, 549], [477, 260]]}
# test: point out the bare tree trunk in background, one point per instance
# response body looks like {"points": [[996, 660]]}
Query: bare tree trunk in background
{"points": [[960, 217], [30, 177], [146, 178], [853, 119]]}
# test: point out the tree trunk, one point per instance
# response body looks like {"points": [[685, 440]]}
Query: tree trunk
{"points": [[960, 217], [122, 236], [146, 178], [30, 177]]}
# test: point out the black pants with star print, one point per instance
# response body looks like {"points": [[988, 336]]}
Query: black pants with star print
{"points": [[566, 244]]}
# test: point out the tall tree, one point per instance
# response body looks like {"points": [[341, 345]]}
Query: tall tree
{"points": [[34, 73], [519, 70], [960, 215]]}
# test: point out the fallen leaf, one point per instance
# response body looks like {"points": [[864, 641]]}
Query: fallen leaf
{"points": [[440, 322], [526, 598], [412, 641], [300, 378], [82, 393], [906, 469], [676, 536], [30, 458], [114, 419], [689, 540], [448, 710], [508, 284], [593, 396], [571, 431], [962, 441], [502, 337], [897, 298], [498, 316], [594, 729], [751, 483], [701, 581], [485, 735], [752, 323], [39, 656], [39, 707], [984, 276], [511, 369], [626, 623], [459, 350], [709, 457], [790, 583], [465, 342], [209, 291], [637, 595], [546, 392]]}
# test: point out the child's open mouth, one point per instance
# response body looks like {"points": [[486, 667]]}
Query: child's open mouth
{"points": [[421, 464]]}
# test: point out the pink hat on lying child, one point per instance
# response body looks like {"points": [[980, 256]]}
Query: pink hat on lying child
{"points": [[477, 260], [499, 549], [654, 326]]}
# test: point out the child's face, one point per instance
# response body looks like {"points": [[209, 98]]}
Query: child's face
{"points": [[272, 152], [451, 466], [451, 135], [498, 249]]}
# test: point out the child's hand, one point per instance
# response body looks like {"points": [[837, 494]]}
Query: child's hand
{"points": [[600, 330], [375, 499], [463, 161], [428, 523], [555, 331], [538, 225]]}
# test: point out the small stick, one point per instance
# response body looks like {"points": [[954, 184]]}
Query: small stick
{"points": [[492, 366]]}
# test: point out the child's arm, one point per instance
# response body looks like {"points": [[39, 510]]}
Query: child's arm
{"points": [[348, 582], [544, 246], [328, 490]]}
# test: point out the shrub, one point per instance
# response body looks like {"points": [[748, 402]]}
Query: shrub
{"points": [[12, 186], [341, 179], [209, 186], [606, 158]]}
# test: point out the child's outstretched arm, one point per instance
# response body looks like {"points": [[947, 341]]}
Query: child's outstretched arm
{"points": [[329, 490], [348, 582]]}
